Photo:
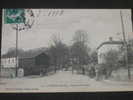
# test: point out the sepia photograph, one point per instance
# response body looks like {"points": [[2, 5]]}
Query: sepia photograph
{"points": [[66, 50]]}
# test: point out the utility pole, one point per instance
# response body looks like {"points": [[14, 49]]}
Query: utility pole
{"points": [[1, 18], [17, 49], [132, 18], [125, 45]]}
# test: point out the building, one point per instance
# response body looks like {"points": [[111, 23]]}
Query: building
{"points": [[8, 66], [107, 46], [30, 63]]}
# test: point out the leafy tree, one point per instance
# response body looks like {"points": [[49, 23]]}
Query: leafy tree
{"points": [[59, 53], [80, 49], [93, 57], [12, 52], [112, 59], [130, 51]]}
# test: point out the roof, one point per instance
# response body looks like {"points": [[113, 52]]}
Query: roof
{"points": [[111, 43], [26, 54]]}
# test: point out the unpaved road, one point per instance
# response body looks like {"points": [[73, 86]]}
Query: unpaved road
{"points": [[63, 81]]}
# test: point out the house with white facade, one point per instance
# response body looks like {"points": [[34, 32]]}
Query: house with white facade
{"points": [[105, 47]]}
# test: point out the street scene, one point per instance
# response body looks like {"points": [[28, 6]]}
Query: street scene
{"points": [[66, 50]]}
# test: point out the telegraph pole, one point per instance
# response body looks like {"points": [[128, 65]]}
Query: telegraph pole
{"points": [[1, 19], [126, 46], [132, 18], [16, 49]]}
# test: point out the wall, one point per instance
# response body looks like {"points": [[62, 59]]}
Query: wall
{"points": [[28, 64], [8, 62], [8, 72]]}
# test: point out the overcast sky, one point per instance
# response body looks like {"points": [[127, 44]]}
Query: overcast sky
{"points": [[99, 24]]}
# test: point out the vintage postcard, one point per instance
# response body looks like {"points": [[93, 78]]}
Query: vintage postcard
{"points": [[66, 50]]}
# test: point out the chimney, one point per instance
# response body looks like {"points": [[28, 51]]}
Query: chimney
{"points": [[110, 39]]}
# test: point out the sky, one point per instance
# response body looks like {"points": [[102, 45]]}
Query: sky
{"points": [[100, 24]]}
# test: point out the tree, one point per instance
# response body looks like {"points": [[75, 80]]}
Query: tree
{"points": [[12, 52], [112, 59], [81, 36], [79, 49], [93, 57], [130, 51], [58, 52]]}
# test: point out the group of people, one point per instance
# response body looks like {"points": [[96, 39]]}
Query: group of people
{"points": [[97, 71]]}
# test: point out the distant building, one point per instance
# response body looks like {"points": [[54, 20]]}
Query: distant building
{"points": [[8, 66], [105, 47], [8, 62], [32, 63]]}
